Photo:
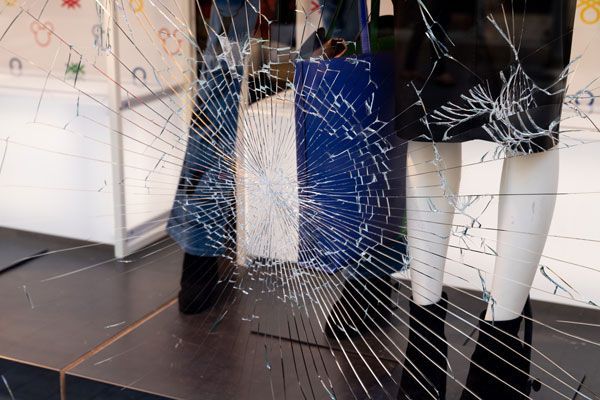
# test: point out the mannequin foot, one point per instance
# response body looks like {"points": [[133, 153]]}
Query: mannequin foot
{"points": [[364, 303], [500, 352], [424, 374], [198, 281]]}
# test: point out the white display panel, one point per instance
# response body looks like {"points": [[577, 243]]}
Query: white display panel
{"points": [[268, 210], [156, 70]]}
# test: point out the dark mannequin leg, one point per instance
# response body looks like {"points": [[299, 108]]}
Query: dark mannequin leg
{"points": [[501, 361], [199, 278], [425, 362]]}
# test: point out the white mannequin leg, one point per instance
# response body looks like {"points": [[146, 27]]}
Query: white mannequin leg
{"points": [[428, 231], [519, 253]]}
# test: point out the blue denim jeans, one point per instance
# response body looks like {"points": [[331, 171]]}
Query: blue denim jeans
{"points": [[202, 218]]}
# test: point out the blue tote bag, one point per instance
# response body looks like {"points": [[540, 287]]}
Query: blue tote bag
{"points": [[344, 112]]}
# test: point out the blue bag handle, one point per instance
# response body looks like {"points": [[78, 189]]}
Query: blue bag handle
{"points": [[363, 14]]}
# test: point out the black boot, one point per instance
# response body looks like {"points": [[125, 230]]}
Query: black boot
{"points": [[198, 280], [362, 304], [424, 373], [508, 358]]}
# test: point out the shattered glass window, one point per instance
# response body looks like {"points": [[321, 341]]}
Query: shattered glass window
{"points": [[299, 199]]}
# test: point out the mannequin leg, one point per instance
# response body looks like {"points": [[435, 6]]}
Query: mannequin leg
{"points": [[500, 363], [429, 218], [428, 231], [519, 253]]}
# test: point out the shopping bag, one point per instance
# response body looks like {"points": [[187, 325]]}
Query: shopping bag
{"points": [[344, 112]]}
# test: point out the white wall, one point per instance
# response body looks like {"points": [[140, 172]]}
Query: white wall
{"points": [[54, 181], [57, 170]]}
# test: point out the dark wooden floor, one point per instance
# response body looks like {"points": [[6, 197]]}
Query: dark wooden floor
{"points": [[113, 331]]}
